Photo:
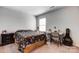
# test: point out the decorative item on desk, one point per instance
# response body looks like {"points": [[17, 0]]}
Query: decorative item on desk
{"points": [[49, 31], [4, 32], [55, 29]]}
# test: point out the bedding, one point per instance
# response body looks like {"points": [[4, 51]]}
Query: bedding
{"points": [[28, 37], [21, 34]]}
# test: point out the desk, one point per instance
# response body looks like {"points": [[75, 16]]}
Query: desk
{"points": [[7, 38]]}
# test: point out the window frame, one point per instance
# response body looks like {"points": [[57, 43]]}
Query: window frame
{"points": [[43, 24]]}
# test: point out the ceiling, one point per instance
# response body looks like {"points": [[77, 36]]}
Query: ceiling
{"points": [[33, 10]]}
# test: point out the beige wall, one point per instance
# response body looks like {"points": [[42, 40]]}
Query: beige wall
{"points": [[66, 17], [13, 20]]}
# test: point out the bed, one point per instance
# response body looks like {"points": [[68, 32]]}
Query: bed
{"points": [[29, 40]]}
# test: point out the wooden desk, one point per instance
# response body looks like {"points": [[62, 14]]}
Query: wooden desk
{"points": [[7, 38]]}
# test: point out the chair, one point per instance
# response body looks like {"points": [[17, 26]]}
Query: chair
{"points": [[55, 38]]}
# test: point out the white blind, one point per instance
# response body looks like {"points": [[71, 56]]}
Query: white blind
{"points": [[42, 24]]}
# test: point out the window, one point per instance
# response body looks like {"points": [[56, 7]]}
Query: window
{"points": [[42, 24]]}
